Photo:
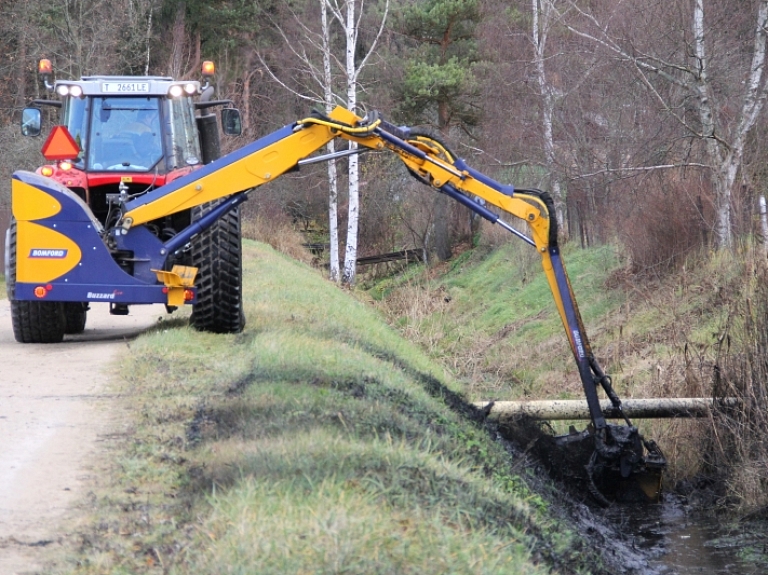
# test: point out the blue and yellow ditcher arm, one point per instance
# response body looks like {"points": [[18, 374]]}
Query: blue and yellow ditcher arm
{"points": [[63, 252]]}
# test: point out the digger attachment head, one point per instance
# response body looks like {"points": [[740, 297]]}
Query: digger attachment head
{"points": [[623, 466], [611, 465]]}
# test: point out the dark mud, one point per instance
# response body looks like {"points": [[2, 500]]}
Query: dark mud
{"points": [[680, 535]]}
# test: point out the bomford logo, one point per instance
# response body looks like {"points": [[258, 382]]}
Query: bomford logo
{"points": [[47, 254]]}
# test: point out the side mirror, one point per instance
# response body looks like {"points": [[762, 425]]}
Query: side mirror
{"points": [[31, 122], [231, 123]]}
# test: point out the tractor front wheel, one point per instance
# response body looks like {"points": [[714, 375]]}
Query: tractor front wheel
{"points": [[75, 314], [33, 321], [217, 255]]}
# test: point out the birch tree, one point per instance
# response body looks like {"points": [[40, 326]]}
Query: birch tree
{"points": [[351, 71], [726, 108], [542, 11], [333, 182], [764, 224], [347, 15]]}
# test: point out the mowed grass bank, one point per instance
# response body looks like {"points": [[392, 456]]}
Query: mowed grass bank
{"points": [[317, 441]]}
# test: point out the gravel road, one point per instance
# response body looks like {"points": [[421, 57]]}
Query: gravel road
{"points": [[54, 408]]}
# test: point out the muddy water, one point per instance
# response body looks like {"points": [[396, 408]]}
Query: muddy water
{"points": [[681, 542]]}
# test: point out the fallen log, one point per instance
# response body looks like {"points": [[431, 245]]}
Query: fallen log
{"points": [[559, 409]]}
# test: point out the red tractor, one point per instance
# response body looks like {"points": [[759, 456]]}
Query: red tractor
{"points": [[125, 136]]}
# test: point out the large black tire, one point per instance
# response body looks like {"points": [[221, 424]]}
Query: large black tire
{"points": [[33, 321], [217, 253], [75, 314]]}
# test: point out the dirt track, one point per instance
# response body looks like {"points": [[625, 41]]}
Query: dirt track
{"points": [[53, 411]]}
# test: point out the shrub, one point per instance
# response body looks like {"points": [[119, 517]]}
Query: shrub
{"points": [[271, 225], [737, 451]]}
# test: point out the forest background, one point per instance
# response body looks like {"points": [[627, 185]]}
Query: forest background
{"points": [[644, 118]]}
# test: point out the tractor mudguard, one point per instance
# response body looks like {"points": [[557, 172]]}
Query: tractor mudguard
{"points": [[61, 255]]}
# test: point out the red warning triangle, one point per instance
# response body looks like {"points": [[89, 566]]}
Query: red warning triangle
{"points": [[60, 145]]}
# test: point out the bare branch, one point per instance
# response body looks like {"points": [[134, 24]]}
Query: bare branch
{"points": [[375, 40], [616, 49], [314, 98], [640, 169]]}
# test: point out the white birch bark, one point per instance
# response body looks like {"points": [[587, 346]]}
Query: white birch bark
{"points": [[764, 224], [333, 184], [542, 11], [147, 41], [350, 256]]}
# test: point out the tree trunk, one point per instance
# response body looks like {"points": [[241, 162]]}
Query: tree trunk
{"points": [[178, 42], [333, 218], [541, 23], [764, 224], [350, 257], [333, 184], [441, 236], [443, 205], [148, 40]]}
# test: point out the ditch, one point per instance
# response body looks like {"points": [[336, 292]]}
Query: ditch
{"points": [[681, 541]]}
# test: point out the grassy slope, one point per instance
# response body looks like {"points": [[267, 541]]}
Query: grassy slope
{"points": [[489, 317], [496, 324], [318, 441]]}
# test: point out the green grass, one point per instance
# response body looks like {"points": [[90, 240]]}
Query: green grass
{"points": [[495, 325], [509, 291], [500, 330], [317, 441], [489, 318]]}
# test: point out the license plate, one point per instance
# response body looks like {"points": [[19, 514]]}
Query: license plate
{"points": [[125, 87]]}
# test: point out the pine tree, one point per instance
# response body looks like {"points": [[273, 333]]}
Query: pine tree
{"points": [[439, 87]]}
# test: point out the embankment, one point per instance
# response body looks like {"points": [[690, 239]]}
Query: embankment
{"points": [[317, 441]]}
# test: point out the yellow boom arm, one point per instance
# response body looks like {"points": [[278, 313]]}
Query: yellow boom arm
{"points": [[431, 162]]}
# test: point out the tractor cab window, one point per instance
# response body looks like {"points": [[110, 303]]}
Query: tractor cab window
{"points": [[126, 134], [75, 118], [185, 148]]}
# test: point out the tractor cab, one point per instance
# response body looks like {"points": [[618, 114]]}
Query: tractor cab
{"points": [[136, 134], [131, 134]]}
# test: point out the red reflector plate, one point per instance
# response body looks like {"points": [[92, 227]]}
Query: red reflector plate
{"points": [[60, 145]]}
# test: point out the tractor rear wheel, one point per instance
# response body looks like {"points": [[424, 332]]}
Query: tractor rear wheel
{"points": [[33, 321], [217, 253]]}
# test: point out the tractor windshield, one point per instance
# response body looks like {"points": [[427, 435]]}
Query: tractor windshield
{"points": [[125, 134]]}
